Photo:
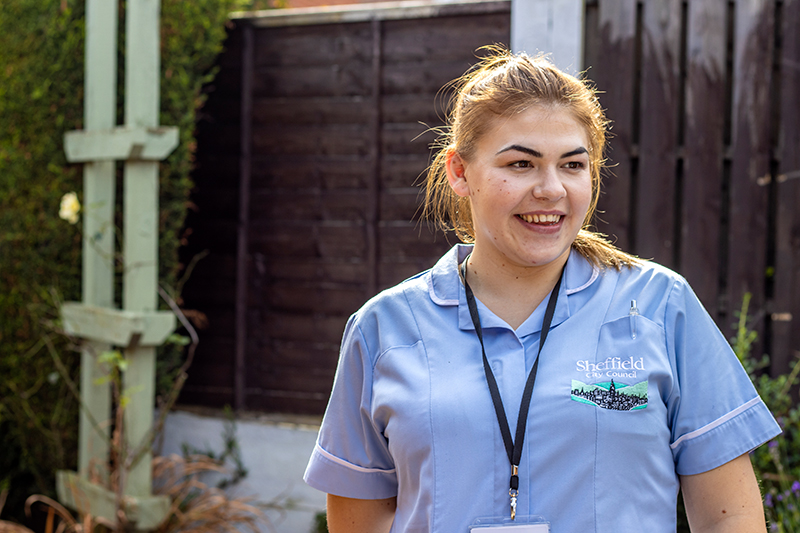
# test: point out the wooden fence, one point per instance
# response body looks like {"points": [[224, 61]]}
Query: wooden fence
{"points": [[320, 129]]}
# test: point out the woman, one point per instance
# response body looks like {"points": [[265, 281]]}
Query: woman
{"points": [[628, 391]]}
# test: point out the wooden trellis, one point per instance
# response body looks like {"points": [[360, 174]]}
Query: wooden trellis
{"points": [[138, 328]]}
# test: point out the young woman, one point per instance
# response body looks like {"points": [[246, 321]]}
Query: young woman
{"points": [[536, 371]]}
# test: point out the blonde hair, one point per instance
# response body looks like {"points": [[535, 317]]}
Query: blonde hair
{"points": [[502, 84]]}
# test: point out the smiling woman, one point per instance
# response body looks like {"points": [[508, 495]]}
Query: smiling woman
{"points": [[609, 365], [529, 187]]}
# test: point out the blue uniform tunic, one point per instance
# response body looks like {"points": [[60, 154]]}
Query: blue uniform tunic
{"points": [[624, 402]]}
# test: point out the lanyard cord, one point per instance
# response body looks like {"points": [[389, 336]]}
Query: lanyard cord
{"points": [[513, 448]]}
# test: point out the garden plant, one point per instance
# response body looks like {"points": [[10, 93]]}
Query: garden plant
{"points": [[41, 98]]}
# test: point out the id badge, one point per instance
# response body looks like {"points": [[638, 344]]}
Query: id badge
{"points": [[523, 524]]}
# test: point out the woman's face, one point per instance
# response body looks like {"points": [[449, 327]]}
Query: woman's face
{"points": [[529, 186]]}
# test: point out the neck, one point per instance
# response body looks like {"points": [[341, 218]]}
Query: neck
{"points": [[511, 291]]}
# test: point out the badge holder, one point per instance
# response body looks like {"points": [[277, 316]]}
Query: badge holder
{"points": [[522, 524]]}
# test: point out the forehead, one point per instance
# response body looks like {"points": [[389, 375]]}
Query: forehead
{"points": [[538, 125]]}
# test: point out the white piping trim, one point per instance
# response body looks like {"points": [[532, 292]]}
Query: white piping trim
{"points": [[716, 423], [436, 299], [351, 466], [595, 273]]}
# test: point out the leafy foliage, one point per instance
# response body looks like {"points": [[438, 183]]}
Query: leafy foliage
{"points": [[231, 454], [777, 465], [41, 98], [320, 523]]}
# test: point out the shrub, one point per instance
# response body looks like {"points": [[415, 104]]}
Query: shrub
{"points": [[777, 465], [41, 98]]}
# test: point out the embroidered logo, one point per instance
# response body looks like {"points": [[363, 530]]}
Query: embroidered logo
{"points": [[610, 395]]}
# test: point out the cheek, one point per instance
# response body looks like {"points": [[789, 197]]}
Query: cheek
{"points": [[506, 189], [582, 194], [492, 190]]}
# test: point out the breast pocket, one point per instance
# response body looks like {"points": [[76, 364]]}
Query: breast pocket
{"points": [[630, 367], [633, 432]]}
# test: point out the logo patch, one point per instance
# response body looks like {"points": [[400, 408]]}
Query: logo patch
{"points": [[610, 395]]}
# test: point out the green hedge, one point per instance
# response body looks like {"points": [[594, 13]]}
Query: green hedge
{"points": [[41, 97]]}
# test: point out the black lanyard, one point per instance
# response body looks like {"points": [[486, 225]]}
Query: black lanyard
{"points": [[513, 448]]}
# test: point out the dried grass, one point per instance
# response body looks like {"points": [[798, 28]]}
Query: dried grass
{"points": [[67, 523], [196, 507]]}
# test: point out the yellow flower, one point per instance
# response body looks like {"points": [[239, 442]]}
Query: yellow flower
{"points": [[70, 207]]}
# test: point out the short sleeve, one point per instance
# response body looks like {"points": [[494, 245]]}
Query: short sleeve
{"points": [[351, 457], [715, 413]]}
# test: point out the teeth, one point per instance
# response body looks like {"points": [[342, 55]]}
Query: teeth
{"points": [[541, 219]]}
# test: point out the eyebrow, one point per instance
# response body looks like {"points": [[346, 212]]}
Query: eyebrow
{"points": [[536, 153], [576, 151]]}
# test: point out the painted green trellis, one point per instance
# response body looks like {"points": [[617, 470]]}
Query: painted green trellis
{"points": [[138, 328]]}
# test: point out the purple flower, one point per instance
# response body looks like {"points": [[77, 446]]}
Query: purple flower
{"points": [[773, 444], [780, 497], [796, 487], [768, 500], [773, 527]]}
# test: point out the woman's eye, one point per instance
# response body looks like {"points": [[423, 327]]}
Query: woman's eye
{"points": [[574, 165], [521, 164]]}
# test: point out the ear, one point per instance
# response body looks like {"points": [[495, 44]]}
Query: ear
{"points": [[456, 173]]}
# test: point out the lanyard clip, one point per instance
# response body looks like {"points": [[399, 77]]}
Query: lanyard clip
{"points": [[514, 490], [513, 493]]}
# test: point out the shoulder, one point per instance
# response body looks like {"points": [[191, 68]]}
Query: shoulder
{"points": [[432, 289], [392, 317], [395, 301], [657, 292], [398, 315], [616, 266], [646, 274]]}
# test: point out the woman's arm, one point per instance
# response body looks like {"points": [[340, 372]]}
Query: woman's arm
{"points": [[726, 499], [349, 515]]}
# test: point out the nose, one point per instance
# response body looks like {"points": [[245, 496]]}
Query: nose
{"points": [[548, 186]]}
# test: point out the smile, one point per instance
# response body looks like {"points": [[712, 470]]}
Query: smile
{"points": [[541, 219]]}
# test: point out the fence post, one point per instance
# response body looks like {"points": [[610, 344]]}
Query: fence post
{"points": [[550, 26]]}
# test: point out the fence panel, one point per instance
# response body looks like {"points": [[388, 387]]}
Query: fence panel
{"points": [[750, 157], [655, 198], [704, 149], [614, 70], [785, 316]]}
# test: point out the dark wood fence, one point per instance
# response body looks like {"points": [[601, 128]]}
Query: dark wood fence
{"points": [[704, 96], [320, 131]]}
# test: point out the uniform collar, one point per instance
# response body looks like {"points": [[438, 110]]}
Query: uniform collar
{"points": [[446, 289]]}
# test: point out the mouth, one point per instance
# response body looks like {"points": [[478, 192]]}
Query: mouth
{"points": [[542, 220]]}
